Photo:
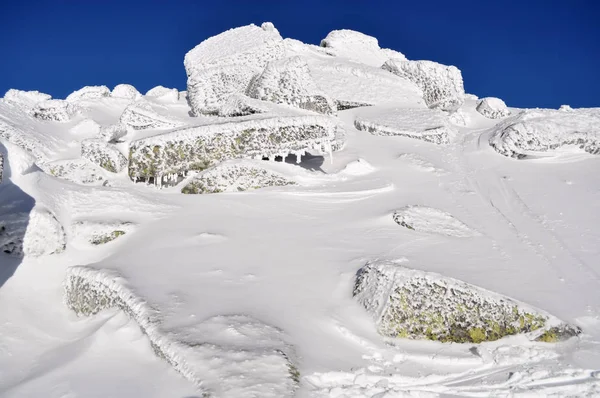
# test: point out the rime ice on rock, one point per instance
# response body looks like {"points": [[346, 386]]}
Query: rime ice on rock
{"points": [[44, 234], [442, 85], [113, 132], [492, 108], [358, 47], [460, 118], [143, 115], [164, 93], [224, 64], [103, 154], [126, 91], [55, 110], [89, 93], [240, 105], [87, 127], [288, 81], [25, 99], [542, 130], [79, 171]]}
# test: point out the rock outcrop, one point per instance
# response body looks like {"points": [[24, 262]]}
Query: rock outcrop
{"points": [[358, 47], [55, 110], [103, 154], [164, 93], [126, 91], [25, 99], [492, 108], [142, 115], [89, 93]]}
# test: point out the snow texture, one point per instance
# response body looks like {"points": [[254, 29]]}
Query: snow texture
{"points": [[142, 115], [55, 110], [533, 132], [442, 85], [164, 93], [103, 154], [126, 91], [432, 221], [492, 108], [89, 93], [288, 81]]}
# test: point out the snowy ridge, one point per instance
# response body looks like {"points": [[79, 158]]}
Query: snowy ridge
{"points": [[55, 110], [143, 115], [126, 91], [492, 108], [103, 154], [80, 171], [89, 93], [26, 99]]}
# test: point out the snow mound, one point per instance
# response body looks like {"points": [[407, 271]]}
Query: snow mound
{"points": [[113, 132], [416, 162], [103, 154], [143, 115], [533, 132], [225, 64], [126, 91], [432, 221], [413, 304], [87, 233], [25, 99], [424, 124], [164, 93], [236, 176], [288, 81], [55, 110], [358, 47], [44, 234], [198, 148], [89, 93], [492, 108], [442, 85], [359, 167], [460, 118], [79, 171], [87, 127]]}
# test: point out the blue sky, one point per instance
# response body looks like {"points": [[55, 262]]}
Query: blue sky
{"points": [[531, 53]]}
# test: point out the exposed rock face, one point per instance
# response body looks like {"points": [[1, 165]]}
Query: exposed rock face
{"points": [[142, 115], [164, 93], [55, 110], [126, 91], [358, 47], [544, 130], [492, 108], [25, 99], [288, 81], [234, 177], [103, 154], [442, 85], [89, 93], [224, 64], [414, 304]]}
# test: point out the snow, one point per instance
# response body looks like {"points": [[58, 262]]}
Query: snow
{"points": [[88, 93], [112, 287], [164, 93], [27, 99], [493, 108], [126, 91]]}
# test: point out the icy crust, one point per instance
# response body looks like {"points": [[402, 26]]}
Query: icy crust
{"points": [[432, 221], [80, 171], [126, 91], [142, 115], [25, 99], [415, 304], [257, 362], [442, 85], [288, 81], [235, 176], [492, 108], [172, 155], [89, 93], [55, 110], [358, 47], [424, 124], [536, 131], [103, 154], [164, 93]]}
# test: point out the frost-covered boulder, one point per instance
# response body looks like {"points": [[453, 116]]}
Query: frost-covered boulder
{"points": [[358, 47], [288, 81], [25, 99], [442, 85], [492, 108], [240, 105], [164, 93], [407, 303], [235, 176], [544, 130], [460, 118], [55, 110], [89, 93], [79, 171], [224, 64], [126, 91], [424, 124], [432, 221], [86, 127], [142, 115], [112, 133], [44, 234], [95, 233], [198, 148], [103, 154]]}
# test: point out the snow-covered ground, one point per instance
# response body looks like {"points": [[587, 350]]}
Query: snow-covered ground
{"points": [[480, 233]]}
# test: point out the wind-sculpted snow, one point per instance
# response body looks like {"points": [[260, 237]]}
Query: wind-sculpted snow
{"points": [[236, 176], [103, 154], [442, 85], [172, 155], [538, 131], [288, 81], [224, 64], [257, 361], [164, 93], [492, 108], [424, 124], [89, 93], [142, 115], [126, 91], [432, 221], [25, 99], [413, 304], [55, 110]]}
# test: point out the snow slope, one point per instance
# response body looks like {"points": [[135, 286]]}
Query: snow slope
{"points": [[113, 282]]}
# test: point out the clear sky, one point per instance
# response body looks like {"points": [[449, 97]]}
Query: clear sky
{"points": [[531, 53]]}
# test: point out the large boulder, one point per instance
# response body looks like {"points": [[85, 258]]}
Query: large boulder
{"points": [[126, 91], [358, 47], [44, 234], [288, 81], [55, 110], [492, 108], [89, 93], [103, 154], [442, 85], [224, 64]]}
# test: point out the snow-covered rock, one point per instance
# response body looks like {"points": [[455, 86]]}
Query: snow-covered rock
{"points": [[89, 93], [413, 304], [44, 234], [1, 167], [112, 133], [288, 81], [492, 108], [79, 171], [103, 154], [460, 118], [537, 131], [86, 127], [55, 110], [235, 176], [433, 221], [164, 93], [240, 105], [25, 99], [142, 115], [358, 47], [94, 233], [442, 85], [224, 64], [126, 91]]}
